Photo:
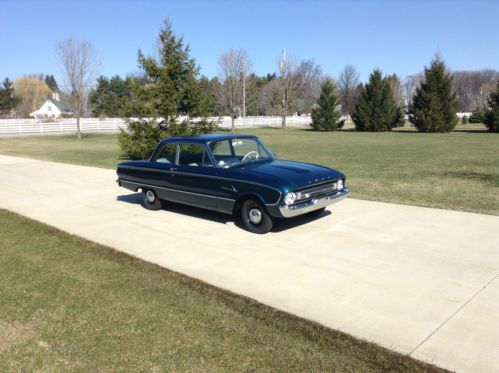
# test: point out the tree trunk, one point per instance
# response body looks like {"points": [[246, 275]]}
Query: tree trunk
{"points": [[78, 132], [284, 121], [232, 123]]}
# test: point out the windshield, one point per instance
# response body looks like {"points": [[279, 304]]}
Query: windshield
{"points": [[235, 151]]}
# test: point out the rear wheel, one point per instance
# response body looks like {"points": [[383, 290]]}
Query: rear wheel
{"points": [[150, 200], [255, 217]]}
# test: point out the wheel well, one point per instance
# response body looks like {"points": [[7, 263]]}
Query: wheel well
{"points": [[239, 203]]}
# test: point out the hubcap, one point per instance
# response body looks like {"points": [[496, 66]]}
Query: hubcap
{"points": [[255, 216], [150, 196]]}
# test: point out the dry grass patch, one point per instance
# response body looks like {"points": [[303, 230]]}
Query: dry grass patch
{"points": [[15, 333]]}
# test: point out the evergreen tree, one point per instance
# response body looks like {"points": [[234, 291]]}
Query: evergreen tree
{"points": [[173, 98], [478, 115], [492, 114], [326, 115], [8, 100], [434, 107], [376, 109], [51, 83], [113, 97]]}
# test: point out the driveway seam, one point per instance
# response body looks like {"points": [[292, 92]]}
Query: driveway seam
{"points": [[454, 314]]}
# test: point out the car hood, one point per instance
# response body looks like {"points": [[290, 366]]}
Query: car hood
{"points": [[293, 175]]}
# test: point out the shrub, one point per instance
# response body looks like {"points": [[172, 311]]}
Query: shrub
{"points": [[464, 119], [478, 115], [143, 135]]}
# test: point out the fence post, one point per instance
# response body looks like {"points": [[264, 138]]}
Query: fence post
{"points": [[60, 126], [41, 127], [114, 124], [98, 124], [20, 128]]}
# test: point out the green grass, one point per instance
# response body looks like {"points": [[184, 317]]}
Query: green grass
{"points": [[67, 304], [458, 170]]}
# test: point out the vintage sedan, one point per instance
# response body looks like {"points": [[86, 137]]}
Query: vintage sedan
{"points": [[234, 174]]}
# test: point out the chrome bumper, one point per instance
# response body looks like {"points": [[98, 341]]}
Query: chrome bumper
{"points": [[315, 204]]}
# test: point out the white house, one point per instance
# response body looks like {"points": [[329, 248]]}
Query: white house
{"points": [[52, 108]]}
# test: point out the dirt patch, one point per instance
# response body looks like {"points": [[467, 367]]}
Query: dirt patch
{"points": [[14, 333]]}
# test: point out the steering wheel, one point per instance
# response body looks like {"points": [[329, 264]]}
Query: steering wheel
{"points": [[249, 153]]}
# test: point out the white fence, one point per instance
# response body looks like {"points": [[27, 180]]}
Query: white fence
{"points": [[112, 125]]}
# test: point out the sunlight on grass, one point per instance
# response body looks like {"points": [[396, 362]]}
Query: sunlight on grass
{"points": [[458, 170]]}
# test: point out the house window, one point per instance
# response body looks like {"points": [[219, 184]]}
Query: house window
{"points": [[49, 108]]}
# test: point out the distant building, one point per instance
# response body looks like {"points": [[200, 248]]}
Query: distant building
{"points": [[54, 107]]}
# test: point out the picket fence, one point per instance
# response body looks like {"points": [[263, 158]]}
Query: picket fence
{"points": [[113, 125]]}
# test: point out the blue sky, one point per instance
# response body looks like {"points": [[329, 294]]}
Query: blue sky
{"points": [[368, 34]]}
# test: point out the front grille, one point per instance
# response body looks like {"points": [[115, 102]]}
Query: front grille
{"points": [[316, 191]]}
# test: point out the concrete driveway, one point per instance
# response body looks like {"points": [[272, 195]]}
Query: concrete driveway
{"points": [[419, 281]]}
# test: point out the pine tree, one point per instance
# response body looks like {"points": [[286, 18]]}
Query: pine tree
{"points": [[172, 91], [376, 109], [326, 116], [434, 107], [8, 100], [51, 83], [492, 114]]}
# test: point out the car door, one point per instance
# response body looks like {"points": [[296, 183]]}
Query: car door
{"points": [[162, 165], [194, 177]]}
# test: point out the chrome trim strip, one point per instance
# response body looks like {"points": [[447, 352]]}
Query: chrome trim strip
{"points": [[174, 190], [304, 207], [145, 168]]}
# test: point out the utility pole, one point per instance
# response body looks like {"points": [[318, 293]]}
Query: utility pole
{"points": [[244, 93], [283, 69]]}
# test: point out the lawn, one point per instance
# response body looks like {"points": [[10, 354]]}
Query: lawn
{"points": [[458, 170], [67, 304]]}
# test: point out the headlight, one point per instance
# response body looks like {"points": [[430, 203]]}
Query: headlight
{"points": [[289, 198], [340, 184]]}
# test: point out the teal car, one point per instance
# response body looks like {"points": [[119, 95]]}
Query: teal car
{"points": [[234, 174]]}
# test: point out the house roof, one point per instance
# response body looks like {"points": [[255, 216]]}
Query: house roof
{"points": [[63, 106]]}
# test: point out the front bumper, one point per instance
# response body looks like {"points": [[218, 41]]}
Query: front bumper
{"points": [[290, 211]]}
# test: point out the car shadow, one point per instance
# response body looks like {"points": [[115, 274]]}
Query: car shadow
{"points": [[177, 208], [280, 225]]}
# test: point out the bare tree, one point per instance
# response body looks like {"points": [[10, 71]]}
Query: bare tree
{"points": [[411, 83], [287, 89], [473, 87], [311, 79], [79, 63], [234, 67], [348, 82], [394, 82]]}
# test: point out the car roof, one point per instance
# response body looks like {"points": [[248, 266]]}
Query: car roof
{"points": [[207, 137]]}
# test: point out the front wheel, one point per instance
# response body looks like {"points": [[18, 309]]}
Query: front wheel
{"points": [[255, 217], [150, 200]]}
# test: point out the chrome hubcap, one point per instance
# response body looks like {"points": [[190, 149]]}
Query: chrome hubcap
{"points": [[150, 196], [255, 216]]}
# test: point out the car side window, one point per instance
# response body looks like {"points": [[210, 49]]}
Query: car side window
{"points": [[193, 155], [167, 154], [221, 148]]}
